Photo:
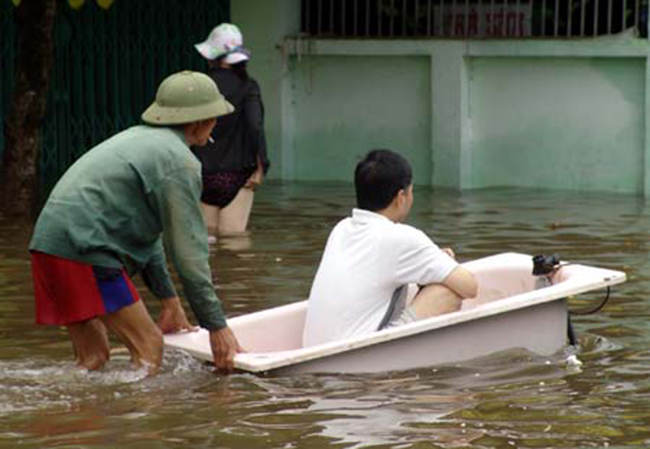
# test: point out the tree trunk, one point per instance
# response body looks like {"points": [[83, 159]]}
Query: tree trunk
{"points": [[35, 20]]}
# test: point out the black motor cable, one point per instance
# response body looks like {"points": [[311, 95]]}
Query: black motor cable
{"points": [[597, 309], [583, 312], [546, 266], [571, 333]]}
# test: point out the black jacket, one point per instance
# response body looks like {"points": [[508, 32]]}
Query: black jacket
{"points": [[238, 137]]}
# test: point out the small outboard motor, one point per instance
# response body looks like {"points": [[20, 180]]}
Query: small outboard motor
{"points": [[543, 268], [545, 265]]}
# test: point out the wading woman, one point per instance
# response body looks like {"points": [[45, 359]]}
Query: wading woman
{"points": [[235, 162]]}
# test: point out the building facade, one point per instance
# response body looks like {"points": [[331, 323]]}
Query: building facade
{"points": [[540, 105]]}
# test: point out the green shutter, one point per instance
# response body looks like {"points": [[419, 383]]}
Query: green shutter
{"points": [[107, 66]]}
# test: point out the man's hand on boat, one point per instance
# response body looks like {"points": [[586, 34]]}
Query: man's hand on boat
{"points": [[224, 347], [172, 317]]}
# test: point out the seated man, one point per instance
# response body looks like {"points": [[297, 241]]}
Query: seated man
{"points": [[371, 257]]}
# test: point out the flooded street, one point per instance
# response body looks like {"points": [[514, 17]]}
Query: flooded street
{"points": [[514, 399]]}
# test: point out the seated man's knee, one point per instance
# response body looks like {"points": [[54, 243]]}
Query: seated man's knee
{"points": [[449, 304]]}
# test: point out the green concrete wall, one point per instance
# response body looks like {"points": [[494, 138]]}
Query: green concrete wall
{"points": [[265, 25], [344, 106], [566, 114], [569, 123]]}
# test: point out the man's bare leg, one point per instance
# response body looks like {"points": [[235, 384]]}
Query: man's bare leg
{"points": [[434, 300], [90, 343], [136, 329]]}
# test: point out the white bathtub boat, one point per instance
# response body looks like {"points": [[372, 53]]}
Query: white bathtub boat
{"points": [[509, 312]]}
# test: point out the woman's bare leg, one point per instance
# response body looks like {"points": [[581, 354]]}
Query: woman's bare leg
{"points": [[211, 217], [233, 218]]}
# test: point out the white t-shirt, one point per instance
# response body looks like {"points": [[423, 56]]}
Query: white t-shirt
{"points": [[367, 257]]}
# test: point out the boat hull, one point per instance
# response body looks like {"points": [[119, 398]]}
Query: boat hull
{"points": [[541, 329], [509, 312]]}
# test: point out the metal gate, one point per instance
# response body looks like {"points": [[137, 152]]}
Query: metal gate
{"points": [[107, 65]]}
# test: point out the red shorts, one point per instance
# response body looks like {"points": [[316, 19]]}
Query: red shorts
{"points": [[67, 292]]}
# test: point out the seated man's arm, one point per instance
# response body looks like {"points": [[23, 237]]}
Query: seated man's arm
{"points": [[462, 282], [420, 261]]}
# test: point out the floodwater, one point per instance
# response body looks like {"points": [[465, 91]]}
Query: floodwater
{"points": [[513, 399]]}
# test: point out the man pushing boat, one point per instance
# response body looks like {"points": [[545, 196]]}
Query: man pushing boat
{"points": [[371, 257], [106, 220]]}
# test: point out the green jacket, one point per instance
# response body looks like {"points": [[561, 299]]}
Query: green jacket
{"points": [[118, 202]]}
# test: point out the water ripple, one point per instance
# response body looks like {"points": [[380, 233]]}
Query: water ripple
{"points": [[507, 400]]}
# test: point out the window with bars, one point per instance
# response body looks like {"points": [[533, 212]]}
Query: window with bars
{"points": [[487, 19]]}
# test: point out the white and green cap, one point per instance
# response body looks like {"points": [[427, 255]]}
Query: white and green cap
{"points": [[186, 97]]}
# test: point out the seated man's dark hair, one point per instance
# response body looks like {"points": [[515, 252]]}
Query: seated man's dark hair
{"points": [[379, 176]]}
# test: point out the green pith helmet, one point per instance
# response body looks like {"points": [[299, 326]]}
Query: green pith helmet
{"points": [[186, 97]]}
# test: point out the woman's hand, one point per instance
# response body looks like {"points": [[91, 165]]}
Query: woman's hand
{"points": [[256, 178]]}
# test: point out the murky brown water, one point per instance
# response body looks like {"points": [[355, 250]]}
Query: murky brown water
{"points": [[507, 400]]}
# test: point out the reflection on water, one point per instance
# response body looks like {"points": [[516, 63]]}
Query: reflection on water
{"points": [[511, 399]]}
